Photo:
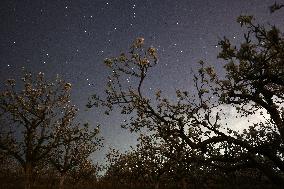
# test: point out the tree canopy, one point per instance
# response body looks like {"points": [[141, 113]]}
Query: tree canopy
{"points": [[190, 141], [196, 124], [38, 126]]}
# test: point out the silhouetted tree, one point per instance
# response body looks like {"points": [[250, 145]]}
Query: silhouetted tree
{"points": [[77, 143], [142, 165], [85, 173], [197, 122], [36, 114]]}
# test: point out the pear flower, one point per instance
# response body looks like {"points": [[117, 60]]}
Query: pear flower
{"points": [[40, 75], [122, 57], [152, 51], [139, 42], [108, 62], [144, 61], [67, 86], [11, 82]]}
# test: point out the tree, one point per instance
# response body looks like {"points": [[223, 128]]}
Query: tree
{"points": [[85, 173], [76, 145], [35, 112], [156, 164], [253, 84], [10, 171], [143, 165]]}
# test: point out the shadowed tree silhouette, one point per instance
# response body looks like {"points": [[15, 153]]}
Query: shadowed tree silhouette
{"points": [[38, 117], [197, 122], [77, 143]]}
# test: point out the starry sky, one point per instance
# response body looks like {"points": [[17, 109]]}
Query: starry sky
{"points": [[73, 37]]}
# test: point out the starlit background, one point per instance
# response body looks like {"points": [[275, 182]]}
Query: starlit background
{"points": [[73, 37]]}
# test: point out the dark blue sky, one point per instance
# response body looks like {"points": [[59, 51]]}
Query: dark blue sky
{"points": [[72, 38]]}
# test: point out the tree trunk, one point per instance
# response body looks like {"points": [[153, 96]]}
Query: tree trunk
{"points": [[276, 179], [28, 175], [157, 185], [61, 180], [183, 183]]}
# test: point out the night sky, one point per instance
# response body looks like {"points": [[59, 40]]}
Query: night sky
{"points": [[72, 38]]}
